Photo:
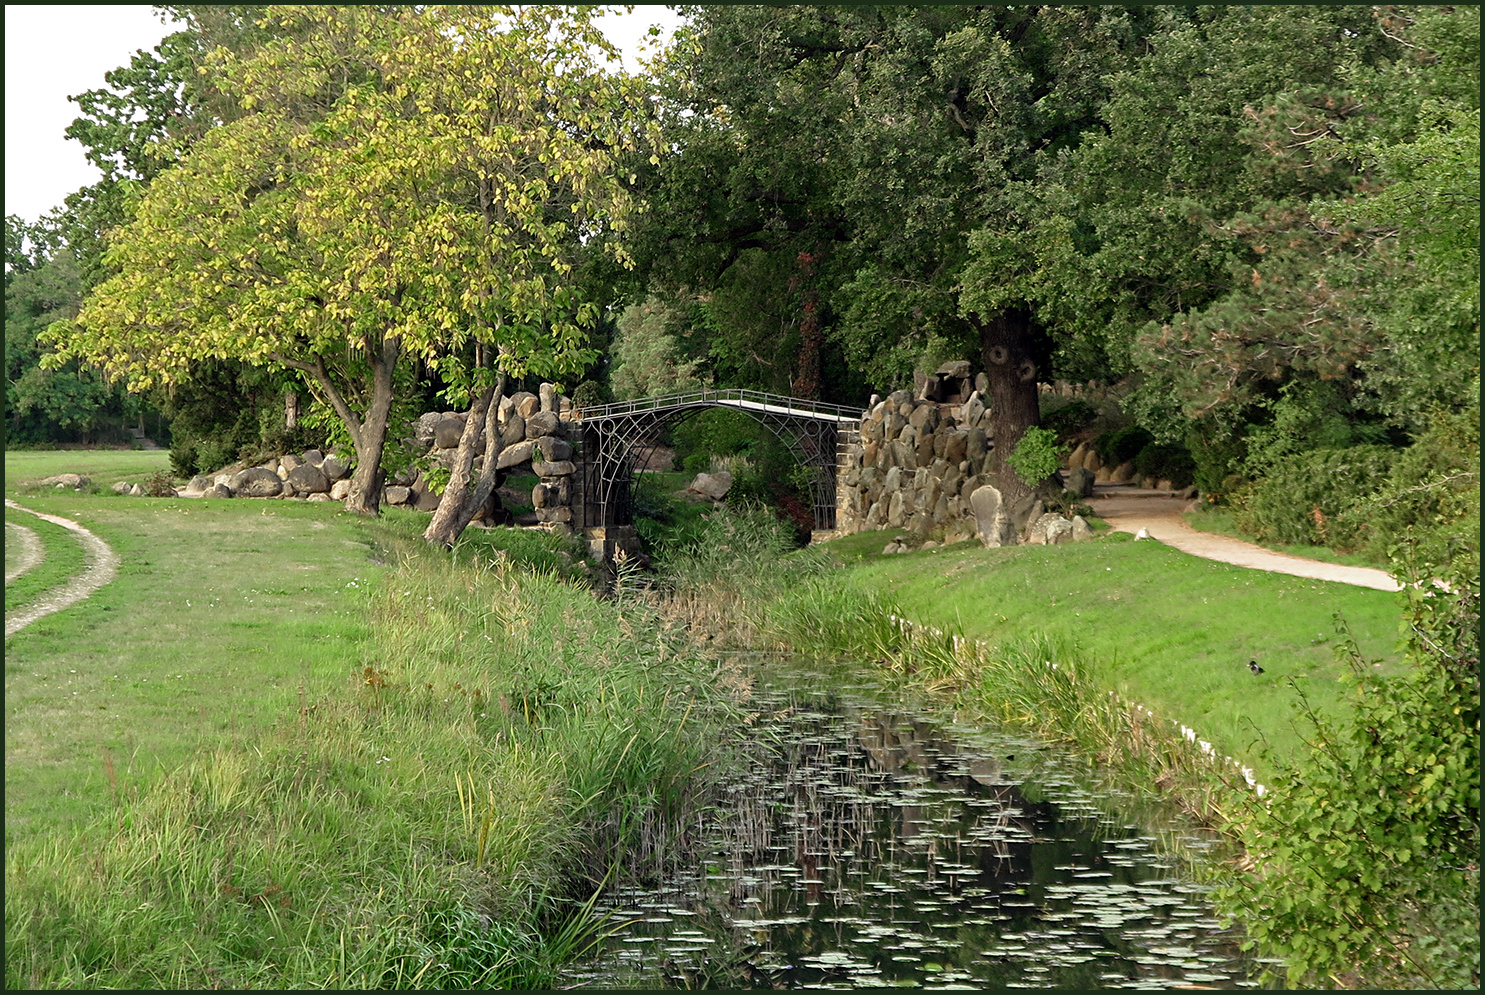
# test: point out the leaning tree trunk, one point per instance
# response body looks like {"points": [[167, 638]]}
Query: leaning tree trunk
{"points": [[369, 435], [460, 504], [1006, 344]]}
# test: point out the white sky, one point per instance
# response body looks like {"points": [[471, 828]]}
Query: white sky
{"points": [[53, 52]]}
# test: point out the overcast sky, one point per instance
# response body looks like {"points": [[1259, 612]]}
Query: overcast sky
{"points": [[53, 52]]}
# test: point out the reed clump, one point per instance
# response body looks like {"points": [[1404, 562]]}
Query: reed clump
{"points": [[434, 820]]}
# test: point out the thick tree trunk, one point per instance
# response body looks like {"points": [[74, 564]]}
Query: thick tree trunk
{"points": [[1006, 345], [460, 504]]}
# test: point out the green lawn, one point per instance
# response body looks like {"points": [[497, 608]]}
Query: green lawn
{"points": [[1163, 628], [220, 611], [104, 466]]}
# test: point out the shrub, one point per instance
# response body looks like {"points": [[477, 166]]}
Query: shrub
{"points": [[1122, 444], [1433, 493], [1215, 460], [1069, 419], [1166, 461], [1368, 854], [1305, 494], [1036, 457]]}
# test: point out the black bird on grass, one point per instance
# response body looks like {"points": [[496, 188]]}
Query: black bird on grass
{"points": [[1253, 666]]}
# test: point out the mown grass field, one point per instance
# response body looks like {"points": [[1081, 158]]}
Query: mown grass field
{"points": [[1162, 628], [220, 612]]}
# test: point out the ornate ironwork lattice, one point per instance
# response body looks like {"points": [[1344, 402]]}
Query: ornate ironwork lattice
{"points": [[618, 437]]}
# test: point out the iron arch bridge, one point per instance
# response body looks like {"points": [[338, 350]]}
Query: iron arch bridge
{"points": [[616, 438]]}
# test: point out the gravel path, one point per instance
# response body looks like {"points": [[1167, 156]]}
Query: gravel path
{"points": [[1129, 509], [30, 547], [99, 567]]}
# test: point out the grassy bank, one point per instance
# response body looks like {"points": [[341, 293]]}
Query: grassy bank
{"points": [[1163, 629], [280, 764]]}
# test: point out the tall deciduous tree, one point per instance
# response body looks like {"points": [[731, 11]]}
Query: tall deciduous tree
{"points": [[837, 158], [401, 181]]}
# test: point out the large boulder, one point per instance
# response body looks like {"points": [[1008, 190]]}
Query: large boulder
{"points": [[396, 495], [218, 491], [991, 521], [525, 403], [256, 482], [447, 432], [553, 449], [712, 485], [340, 490], [547, 396], [312, 456], [1049, 529], [542, 423], [335, 468], [199, 483], [1080, 481], [1081, 530], [65, 480], [512, 455], [306, 478], [559, 469]]}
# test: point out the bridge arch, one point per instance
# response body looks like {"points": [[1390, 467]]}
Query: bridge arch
{"points": [[615, 435]]}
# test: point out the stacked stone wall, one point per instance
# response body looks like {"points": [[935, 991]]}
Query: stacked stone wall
{"points": [[915, 465]]}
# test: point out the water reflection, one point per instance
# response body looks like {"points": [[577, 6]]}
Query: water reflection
{"points": [[871, 846]]}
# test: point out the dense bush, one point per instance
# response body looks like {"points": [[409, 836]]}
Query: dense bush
{"points": [[1432, 494], [1216, 457], [1122, 444], [1368, 853], [1066, 421], [1166, 461], [1036, 456], [1304, 494]]}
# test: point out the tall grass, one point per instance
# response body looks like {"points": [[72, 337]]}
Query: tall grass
{"points": [[433, 822], [1043, 684]]}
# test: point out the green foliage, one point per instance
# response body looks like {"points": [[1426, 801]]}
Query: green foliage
{"points": [[68, 403], [717, 432], [1304, 494], [1036, 456], [647, 358], [1069, 419], [1368, 850], [1121, 445], [1166, 461], [1432, 496]]}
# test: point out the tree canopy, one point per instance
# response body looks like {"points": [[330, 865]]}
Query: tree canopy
{"points": [[400, 182]]}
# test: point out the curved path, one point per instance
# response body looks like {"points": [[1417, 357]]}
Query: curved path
{"points": [[30, 547], [1129, 509], [100, 565]]}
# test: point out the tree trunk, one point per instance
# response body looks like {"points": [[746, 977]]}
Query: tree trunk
{"points": [[459, 504], [1006, 345], [370, 435]]}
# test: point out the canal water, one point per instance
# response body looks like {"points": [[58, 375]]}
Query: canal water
{"points": [[871, 845]]}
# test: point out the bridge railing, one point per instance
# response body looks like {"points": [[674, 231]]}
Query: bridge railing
{"points": [[802, 407]]}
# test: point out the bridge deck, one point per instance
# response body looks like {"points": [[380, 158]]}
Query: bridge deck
{"points": [[744, 400]]}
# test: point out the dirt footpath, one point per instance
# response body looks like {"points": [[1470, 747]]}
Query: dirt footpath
{"points": [[99, 567], [1129, 509]]}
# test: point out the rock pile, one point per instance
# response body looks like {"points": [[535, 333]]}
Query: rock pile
{"points": [[915, 466], [920, 465]]}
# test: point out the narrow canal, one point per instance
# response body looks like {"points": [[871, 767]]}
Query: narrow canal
{"points": [[871, 845]]}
